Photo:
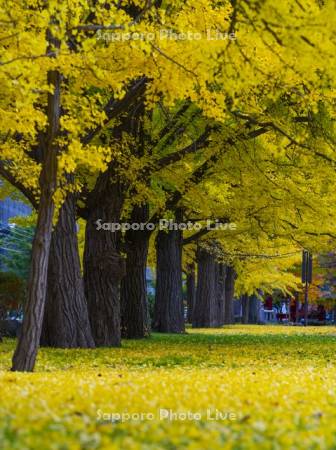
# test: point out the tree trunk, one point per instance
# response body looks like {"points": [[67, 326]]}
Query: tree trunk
{"points": [[245, 308], [237, 309], [229, 293], [134, 304], [26, 351], [253, 310], [297, 309], [221, 277], [206, 309], [168, 308], [66, 321], [103, 266], [191, 292]]}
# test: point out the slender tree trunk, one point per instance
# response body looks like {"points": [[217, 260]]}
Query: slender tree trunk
{"points": [[245, 308], [103, 266], [206, 309], [253, 310], [229, 294], [237, 308], [297, 309], [221, 277], [66, 321], [26, 351], [191, 291], [134, 303], [168, 309]]}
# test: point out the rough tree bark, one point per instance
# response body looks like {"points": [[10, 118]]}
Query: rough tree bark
{"points": [[66, 321], [206, 308], [26, 351], [103, 265], [191, 291], [134, 305], [104, 268], [229, 293], [168, 308]]}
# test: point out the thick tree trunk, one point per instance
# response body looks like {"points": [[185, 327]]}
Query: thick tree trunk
{"points": [[66, 321], [191, 291], [134, 304], [168, 308], [229, 294], [245, 308], [206, 310], [28, 343], [103, 266]]}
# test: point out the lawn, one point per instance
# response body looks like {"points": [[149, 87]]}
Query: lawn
{"points": [[240, 387]]}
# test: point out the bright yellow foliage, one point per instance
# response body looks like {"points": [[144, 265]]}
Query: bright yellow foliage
{"points": [[276, 48]]}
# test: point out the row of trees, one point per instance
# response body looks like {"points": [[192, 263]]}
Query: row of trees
{"points": [[135, 130]]}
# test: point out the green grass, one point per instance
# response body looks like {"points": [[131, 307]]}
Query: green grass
{"points": [[208, 348]]}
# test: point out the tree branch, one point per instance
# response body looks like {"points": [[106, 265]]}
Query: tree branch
{"points": [[5, 173], [200, 142], [196, 236], [113, 108]]}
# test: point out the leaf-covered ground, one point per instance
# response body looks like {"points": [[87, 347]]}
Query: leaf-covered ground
{"points": [[240, 387]]}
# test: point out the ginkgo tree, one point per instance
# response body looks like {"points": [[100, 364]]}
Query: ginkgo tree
{"points": [[67, 71], [298, 208], [56, 73]]}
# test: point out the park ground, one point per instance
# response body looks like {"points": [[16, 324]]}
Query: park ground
{"points": [[269, 387]]}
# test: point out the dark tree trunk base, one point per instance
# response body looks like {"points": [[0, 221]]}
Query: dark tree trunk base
{"points": [[191, 292], [104, 268], [206, 307], [66, 321], [221, 277], [168, 309], [253, 310], [134, 304], [229, 293], [245, 308], [210, 294]]}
